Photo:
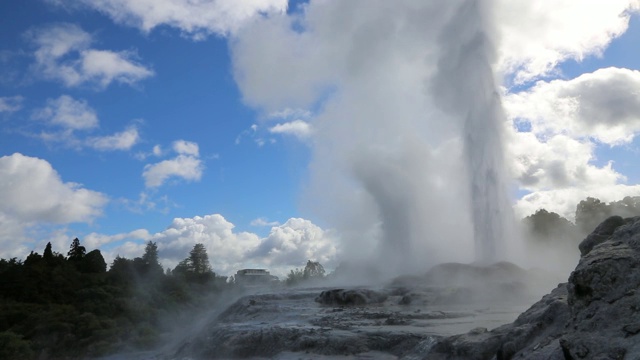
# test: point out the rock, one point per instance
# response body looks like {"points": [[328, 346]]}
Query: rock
{"points": [[600, 234], [596, 315], [405, 300], [352, 297]]}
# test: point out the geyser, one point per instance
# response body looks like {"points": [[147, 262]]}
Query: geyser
{"points": [[464, 86], [407, 156]]}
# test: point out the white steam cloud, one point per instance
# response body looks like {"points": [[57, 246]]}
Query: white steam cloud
{"points": [[409, 112]]}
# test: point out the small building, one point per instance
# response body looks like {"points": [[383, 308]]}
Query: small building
{"points": [[254, 276]]}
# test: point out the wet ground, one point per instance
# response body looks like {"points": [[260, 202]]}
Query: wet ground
{"points": [[291, 324], [401, 320]]}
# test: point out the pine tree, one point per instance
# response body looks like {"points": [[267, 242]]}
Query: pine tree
{"points": [[48, 253], [150, 258], [76, 251], [199, 260]]}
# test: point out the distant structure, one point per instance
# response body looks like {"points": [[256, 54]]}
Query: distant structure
{"points": [[254, 277]]}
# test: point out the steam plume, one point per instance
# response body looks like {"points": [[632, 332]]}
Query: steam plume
{"points": [[467, 90], [407, 155]]}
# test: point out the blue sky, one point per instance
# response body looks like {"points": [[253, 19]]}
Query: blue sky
{"points": [[245, 111], [191, 96]]}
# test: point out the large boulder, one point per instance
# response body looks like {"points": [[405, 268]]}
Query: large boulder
{"points": [[600, 234], [350, 297], [596, 315]]}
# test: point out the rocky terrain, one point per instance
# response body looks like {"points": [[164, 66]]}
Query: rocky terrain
{"points": [[595, 315]]}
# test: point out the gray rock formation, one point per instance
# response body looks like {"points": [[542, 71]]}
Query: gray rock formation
{"points": [[596, 315], [351, 297]]}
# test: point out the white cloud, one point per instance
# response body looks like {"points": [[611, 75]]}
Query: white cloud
{"points": [[63, 53], [184, 148], [564, 201], [182, 166], [297, 128], [568, 120], [123, 140], [186, 165], [68, 113], [603, 105], [73, 115], [287, 246], [10, 104], [94, 240], [557, 162], [195, 18], [536, 36], [32, 191], [289, 113], [105, 67], [263, 222], [296, 241], [34, 195]]}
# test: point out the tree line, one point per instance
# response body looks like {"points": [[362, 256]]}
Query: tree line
{"points": [[548, 226], [57, 306]]}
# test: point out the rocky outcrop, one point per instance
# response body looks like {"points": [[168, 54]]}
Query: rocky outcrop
{"points": [[600, 234], [596, 315], [357, 297]]}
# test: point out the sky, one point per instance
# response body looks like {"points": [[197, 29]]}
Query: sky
{"points": [[276, 132]]}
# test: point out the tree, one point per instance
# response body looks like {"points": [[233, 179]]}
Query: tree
{"points": [[150, 259], [76, 251], [294, 277], [93, 262], [196, 266], [548, 226], [313, 270], [122, 270], [627, 207], [48, 253], [199, 260]]}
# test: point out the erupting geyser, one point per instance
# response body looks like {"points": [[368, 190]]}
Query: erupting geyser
{"points": [[407, 151], [466, 89]]}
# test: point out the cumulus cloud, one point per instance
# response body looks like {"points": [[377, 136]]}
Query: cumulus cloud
{"points": [[182, 166], [33, 194], [564, 201], [603, 105], [537, 36], [68, 113], [568, 120], [9, 104], [194, 18], [31, 190], [186, 165], [298, 128], [184, 148], [63, 53], [557, 162], [123, 140], [294, 242], [287, 246], [72, 116]]}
